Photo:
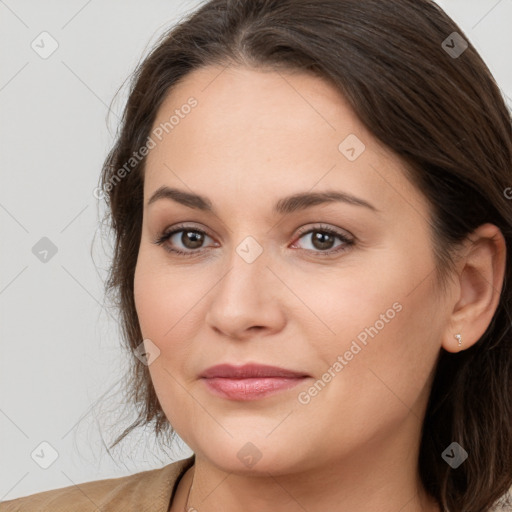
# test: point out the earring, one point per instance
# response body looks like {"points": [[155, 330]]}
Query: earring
{"points": [[459, 339]]}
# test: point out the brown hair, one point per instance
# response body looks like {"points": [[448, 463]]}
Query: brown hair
{"points": [[443, 114]]}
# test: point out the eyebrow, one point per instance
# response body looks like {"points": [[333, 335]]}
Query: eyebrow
{"points": [[285, 205]]}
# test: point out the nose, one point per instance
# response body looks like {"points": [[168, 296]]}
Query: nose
{"points": [[247, 300]]}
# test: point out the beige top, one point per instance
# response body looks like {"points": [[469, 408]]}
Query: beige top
{"points": [[147, 491]]}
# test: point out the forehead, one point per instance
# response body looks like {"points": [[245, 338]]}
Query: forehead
{"points": [[279, 102], [270, 132]]}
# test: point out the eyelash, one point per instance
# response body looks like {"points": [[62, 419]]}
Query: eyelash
{"points": [[163, 237]]}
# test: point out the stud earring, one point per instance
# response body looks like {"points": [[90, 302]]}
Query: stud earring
{"points": [[459, 339]]}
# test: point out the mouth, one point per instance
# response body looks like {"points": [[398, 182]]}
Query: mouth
{"points": [[250, 381]]}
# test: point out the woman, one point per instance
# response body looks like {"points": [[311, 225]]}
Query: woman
{"points": [[311, 209]]}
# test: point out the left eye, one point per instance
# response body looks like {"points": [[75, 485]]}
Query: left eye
{"points": [[323, 240]]}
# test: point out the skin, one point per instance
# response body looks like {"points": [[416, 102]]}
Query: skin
{"points": [[254, 137]]}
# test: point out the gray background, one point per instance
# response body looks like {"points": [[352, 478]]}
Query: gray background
{"points": [[61, 361]]}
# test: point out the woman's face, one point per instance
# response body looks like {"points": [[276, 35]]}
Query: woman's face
{"points": [[337, 286]]}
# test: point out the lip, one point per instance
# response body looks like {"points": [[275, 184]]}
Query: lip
{"points": [[250, 381], [250, 370]]}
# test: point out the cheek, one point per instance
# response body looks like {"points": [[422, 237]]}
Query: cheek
{"points": [[170, 309], [165, 302], [163, 296], [410, 345], [404, 353], [386, 326], [379, 383]]}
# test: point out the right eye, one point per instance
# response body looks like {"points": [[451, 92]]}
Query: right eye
{"points": [[190, 237]]}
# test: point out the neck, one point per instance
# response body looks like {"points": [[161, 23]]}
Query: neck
{"points": [[381, 476]]}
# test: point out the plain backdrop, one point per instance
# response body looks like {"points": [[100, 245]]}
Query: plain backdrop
{"points": [[61, 362]]}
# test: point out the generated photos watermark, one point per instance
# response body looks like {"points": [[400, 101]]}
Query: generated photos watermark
{"points": [[341, 361]]}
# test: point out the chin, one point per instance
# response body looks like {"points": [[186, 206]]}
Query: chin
{"points": [[252, 453]]}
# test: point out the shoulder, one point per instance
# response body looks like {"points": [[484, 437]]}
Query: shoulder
{"points": [[141, 492]]}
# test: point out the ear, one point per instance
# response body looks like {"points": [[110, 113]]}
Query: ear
{"points": [[479, 278]]}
